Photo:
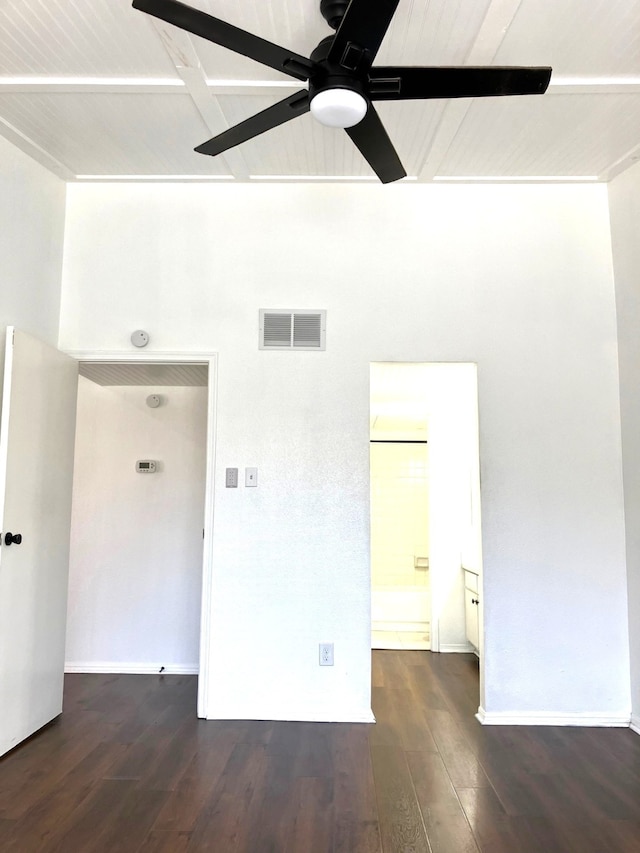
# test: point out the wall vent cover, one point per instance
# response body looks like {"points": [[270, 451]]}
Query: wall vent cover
{"points": [[287, 329]]}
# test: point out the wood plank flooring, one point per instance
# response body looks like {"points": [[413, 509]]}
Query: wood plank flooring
{"points": [[129, 768]]}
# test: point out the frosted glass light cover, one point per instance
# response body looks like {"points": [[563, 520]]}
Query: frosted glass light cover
{"points": [[338, 107]]}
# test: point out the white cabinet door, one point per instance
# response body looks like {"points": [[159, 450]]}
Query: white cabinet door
{"points": [[37, 433], [471, 617]]}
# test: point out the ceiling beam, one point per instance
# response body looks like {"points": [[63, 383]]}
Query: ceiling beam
{"points": [[493, 29], [182, 53], [628, 159], [275, 88], [33, 150]]}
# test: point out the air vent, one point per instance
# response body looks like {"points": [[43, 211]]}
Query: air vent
{"points": [[284, 329]]}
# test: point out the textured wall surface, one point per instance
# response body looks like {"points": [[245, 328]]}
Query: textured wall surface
{"points": [[136, 539], [624, 200], [516, 279], [32, 208]]}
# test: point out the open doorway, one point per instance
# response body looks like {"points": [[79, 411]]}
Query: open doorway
{"points": [[139, 556], [426, 556]]}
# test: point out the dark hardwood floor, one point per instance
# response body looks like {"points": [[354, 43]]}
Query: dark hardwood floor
{"points": [[129, 768]]}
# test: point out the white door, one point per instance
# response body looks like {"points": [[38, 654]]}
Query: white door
{"points": [[37, 434]]}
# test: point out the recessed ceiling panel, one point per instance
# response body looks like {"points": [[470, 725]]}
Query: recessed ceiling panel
{"points": [[303, 146], [102, 134], [429, 33], [297, 26], [439, 32], [412, 126], [79, 38], [600, 37], [550, 135]]}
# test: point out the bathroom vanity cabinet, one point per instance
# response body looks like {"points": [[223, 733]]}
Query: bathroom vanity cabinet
{"points": [[471, 606]]}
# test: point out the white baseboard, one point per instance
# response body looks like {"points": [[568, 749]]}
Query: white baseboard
{"points": [[549, 718], [120, 667], [456, 648], [634, 725], [299, 715]]}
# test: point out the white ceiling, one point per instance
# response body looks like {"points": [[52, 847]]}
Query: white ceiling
{"points": [[140, 373], [94, 89]]}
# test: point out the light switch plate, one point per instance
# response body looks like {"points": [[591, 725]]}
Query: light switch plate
{"points": [[231, 481], [250, 477]]}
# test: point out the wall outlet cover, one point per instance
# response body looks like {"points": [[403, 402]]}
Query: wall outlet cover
{"points": [[326, 654]]}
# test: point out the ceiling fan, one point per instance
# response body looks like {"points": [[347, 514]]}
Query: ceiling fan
{"points": [[343, 83]]}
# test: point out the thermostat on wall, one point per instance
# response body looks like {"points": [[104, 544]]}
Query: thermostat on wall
{"points": [[146, 466]]}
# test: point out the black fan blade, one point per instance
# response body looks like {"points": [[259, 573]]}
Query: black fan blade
{"points": [[400, 84], [375, 146], [294, 105], [204, 25], [360, 33]]}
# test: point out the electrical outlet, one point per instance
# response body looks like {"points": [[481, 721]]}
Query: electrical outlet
{"points": [[326, 654]]}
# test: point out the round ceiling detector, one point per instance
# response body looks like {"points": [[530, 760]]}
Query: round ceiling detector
{"points": [[338, 107], [140, 338]]}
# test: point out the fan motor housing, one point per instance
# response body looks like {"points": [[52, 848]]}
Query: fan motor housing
{"points": [[322, 82], [330, 76], [333, 11]]}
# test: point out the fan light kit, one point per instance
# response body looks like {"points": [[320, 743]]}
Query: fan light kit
{"points": [[338, 107], [342, 80]]}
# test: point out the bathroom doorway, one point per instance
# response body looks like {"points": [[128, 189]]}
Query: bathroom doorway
{"points": [[425, 507]]}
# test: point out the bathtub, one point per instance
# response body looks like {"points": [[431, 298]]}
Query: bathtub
{"points": [[400, 608]]}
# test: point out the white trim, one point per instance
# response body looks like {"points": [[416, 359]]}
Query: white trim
{"points": [[15, 83], [136, 179], [207, 545], [128, 668], [137, 85], [400, 627], [634, 724], [296, 714], [434, 625], [33, 150], [211, 359], [456, 648], [134, 356], [515, 179], [551, 718]]}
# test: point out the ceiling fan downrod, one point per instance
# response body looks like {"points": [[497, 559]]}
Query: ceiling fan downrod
{"points": [[333, 11]]}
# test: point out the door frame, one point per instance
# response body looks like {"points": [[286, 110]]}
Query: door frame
{"points": [[423, 393], [209, 358]]}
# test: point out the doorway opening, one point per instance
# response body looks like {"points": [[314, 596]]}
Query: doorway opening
{"points": [[139, 579], [426, 547]]}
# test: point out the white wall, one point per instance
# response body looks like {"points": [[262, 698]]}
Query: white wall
{"points": [[32, 207], [136, 539], [453, 443], [399, 513], [517, 279], [624, 199]]}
